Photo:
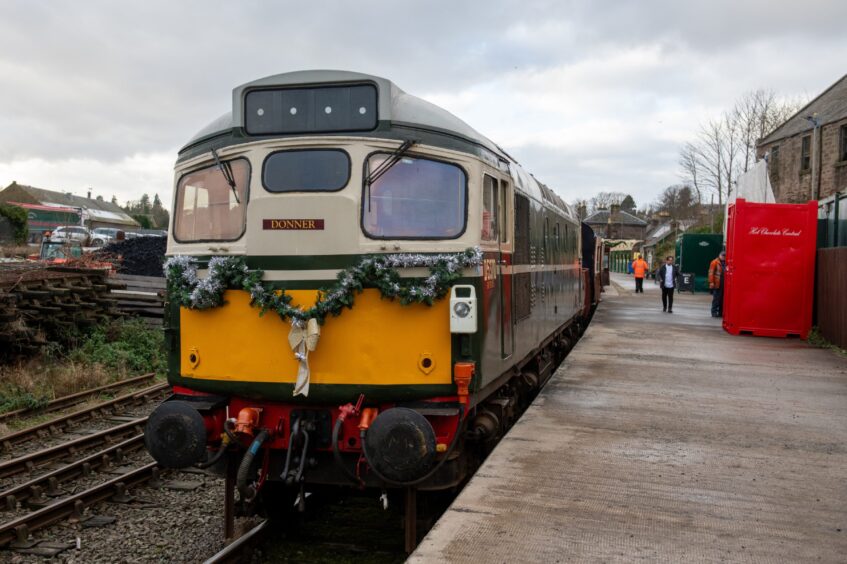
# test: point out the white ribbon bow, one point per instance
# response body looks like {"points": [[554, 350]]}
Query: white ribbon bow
{"points": [[303, 338]]}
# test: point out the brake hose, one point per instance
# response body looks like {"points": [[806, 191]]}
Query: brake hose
{"points": [[337, 454], [248, 491], [225, 442], [429, 474]]}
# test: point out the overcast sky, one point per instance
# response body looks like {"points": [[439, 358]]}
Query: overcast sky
{"points": [[587, 95]]}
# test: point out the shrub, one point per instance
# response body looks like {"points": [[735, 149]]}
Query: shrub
{"points": [[19, 219], [125, 346]]}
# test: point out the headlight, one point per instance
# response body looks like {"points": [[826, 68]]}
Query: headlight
{"points": [[461, 309]]}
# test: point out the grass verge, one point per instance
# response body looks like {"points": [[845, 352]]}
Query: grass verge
{"points": [[817, 340], [103, 355]]}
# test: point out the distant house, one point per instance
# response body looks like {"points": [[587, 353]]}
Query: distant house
{"points": [[621, 253], [807, 155], [660, 233], [616, 224], [49, 209]]}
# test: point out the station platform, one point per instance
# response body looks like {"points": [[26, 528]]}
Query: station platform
{"points": [[663, 438]]}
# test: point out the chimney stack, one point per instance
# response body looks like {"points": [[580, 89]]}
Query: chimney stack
{"points": [[89, 193], [616, 210]]}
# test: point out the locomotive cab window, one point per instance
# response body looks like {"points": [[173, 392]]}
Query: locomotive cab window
{"points": [[309, 170], [207, 208], [490, 211], [415, 198], [504, 206]]}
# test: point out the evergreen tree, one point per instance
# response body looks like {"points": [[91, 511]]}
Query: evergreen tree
{"points": [[144, 204], [160, 215], [628, 204]]}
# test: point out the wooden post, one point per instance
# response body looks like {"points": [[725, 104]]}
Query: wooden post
{"points": [[411, 519], [229, 496]]}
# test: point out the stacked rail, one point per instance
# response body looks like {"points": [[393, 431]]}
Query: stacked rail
{"points": [[41, 304], [142, 296]]}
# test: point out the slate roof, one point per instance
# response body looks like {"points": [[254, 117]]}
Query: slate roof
{"points": [[99, 210], [602, 217], [662, 231], [830, 105]]}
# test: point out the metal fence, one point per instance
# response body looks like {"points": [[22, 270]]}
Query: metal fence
{"points": [[832, 221], [831, 296]]}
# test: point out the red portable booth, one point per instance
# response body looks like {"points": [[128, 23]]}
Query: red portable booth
{"points": [[770, 268]]}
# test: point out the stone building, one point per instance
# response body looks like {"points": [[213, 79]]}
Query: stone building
{"points": [[807, 155], [616, 224]]}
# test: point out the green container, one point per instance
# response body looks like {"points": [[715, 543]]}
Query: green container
{"points": [[694, 253]]}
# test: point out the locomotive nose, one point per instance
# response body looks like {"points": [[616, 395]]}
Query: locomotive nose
{"points": [[175, 435], [401, 444]]}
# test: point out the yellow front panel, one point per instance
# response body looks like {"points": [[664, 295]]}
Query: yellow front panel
{"points": [[378, 342]]}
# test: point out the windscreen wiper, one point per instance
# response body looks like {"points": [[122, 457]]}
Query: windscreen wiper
{"points": [[226, 170], [386, 165]]}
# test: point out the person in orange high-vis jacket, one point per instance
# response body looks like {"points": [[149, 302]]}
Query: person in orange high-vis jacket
{"points": [[639, 270], [716, 271]]}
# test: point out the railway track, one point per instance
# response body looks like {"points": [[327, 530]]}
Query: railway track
{"points": [[33, 460], [36, 495], [63, 422], [34, 491], [18, 530], [65, 402], [238, 549]]}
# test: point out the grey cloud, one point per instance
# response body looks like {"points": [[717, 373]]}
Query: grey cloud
{"points": [[104, 80]]}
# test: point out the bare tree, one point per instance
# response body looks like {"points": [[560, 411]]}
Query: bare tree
{"points": [[581, 206], [690, 165], [709, 147], [756, 114], [731, 144], [603, 200], [726, 147]]}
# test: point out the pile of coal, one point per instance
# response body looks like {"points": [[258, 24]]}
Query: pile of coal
{"points": [[140, 256]]}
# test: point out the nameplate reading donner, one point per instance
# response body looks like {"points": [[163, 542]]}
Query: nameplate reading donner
{"points": [[292, 224]]}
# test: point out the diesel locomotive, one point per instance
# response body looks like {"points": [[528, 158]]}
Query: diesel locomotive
{"points": [[363, 291]]}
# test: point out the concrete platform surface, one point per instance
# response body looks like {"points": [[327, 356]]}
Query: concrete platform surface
{"points": [[663, 439]]}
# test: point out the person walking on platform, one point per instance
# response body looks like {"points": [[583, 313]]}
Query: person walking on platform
{"points": [[716, 269], [639, 270], [668, 275]]}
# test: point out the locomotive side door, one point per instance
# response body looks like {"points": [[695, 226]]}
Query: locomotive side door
{"points": [[507, 335]]}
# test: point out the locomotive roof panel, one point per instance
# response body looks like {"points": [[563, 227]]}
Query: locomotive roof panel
{"points": [[394, 106], [400, 116]]}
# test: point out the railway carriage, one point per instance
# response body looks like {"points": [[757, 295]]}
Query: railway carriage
{"points": [[418, 287]]}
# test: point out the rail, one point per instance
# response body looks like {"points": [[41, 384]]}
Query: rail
{"points": [[73, 399], [234, 551], [28, 462], [21, 528], [48, 483], [65, 421]]}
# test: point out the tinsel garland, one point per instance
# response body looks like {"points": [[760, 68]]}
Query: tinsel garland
{"points": [[186, 289]]}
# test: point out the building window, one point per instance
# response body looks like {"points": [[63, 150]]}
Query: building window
{"points": [[842, 143], [805, 153]]}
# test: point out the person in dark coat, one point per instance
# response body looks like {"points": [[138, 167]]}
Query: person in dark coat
{"points": [[668, 276]]}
